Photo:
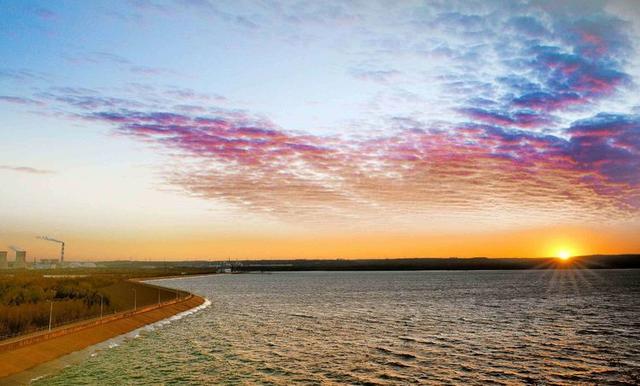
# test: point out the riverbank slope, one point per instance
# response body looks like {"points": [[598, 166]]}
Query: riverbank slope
{"points": [[25, 353]]}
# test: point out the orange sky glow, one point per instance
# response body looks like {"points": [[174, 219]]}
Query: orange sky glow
{"points": [[532, 243]]}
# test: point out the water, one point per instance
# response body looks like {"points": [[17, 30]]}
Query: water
{"points": [[476, 327]]}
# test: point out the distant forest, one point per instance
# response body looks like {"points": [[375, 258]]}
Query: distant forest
{"points": [[190, 267], [453, 263]]}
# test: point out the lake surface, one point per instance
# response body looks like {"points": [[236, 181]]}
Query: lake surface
{"points": [[475, 327]]}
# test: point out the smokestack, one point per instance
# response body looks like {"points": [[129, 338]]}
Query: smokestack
{"points": [[3, 260], [55, 241]]}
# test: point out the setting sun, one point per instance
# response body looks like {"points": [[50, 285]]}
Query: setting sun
{"points": [[564, 255]]}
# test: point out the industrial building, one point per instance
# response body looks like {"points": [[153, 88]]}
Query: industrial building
{"points": [[46, 264], [21, 259], [19, 262], [47, 238]]}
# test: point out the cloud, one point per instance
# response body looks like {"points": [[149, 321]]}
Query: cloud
{"points": [[45, 13], [87, 101], [187, 93], [501, 118], [414, 166], [98, 57], [529, 26], [563, 72], [504, 112], [26, 169], [22, 75], [107, 58], [216, 9], [147, 70], [19, 100], [574, 64], [609, 144], [382, 76]]}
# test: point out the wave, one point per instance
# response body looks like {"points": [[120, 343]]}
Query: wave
{"points": [[399, 354], [300, 315]]}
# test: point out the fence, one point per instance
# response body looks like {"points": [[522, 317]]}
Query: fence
{"points": [[118, 314]]}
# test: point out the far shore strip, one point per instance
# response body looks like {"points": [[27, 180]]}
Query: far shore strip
{"points": [[23, 358]]}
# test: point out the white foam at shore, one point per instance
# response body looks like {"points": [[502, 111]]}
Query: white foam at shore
{"points": [[164, 322], [115, 341]]}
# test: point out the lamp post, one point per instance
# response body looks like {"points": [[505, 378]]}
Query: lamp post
{"points": [[135, 300], [101, 302], [50, 313]]}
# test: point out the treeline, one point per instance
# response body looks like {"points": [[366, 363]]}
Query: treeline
{"points": [[409, 264], [21, 289], [26, 301]]}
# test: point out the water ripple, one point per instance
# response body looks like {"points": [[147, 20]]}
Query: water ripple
{"points": [[386, 328]]}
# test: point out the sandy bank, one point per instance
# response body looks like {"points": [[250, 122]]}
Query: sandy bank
{"points": [[25, 353]]}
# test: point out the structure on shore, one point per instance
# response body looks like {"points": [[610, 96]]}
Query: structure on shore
{"points": [[19, 262], [3, 260], [21, 257]]}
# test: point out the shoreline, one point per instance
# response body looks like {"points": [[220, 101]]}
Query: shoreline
{"points": [[25, 353], [172, 277]]}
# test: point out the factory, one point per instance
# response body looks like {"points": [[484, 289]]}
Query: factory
{"points": [[46, 238], [19, 262]]}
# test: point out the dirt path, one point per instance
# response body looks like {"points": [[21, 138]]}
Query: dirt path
{"points": [[22, 358]]}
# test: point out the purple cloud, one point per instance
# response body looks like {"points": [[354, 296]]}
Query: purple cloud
{"points": [[610, 145], [489, 115], [525, 119]]}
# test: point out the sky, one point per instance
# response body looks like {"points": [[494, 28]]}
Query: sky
{"points": [[196, 129]]}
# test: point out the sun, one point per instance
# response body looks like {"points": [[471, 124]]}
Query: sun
{"points": [[564, 255]]}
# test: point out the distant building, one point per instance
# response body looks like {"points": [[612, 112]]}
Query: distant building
{"points": [[3, 260], [80, 264], [21, 259], [46, 264]]}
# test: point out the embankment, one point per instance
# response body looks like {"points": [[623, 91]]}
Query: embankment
{"points": [[20, 354]]}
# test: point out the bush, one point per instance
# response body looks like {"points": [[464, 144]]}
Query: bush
{"points": [[25, 301]]}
